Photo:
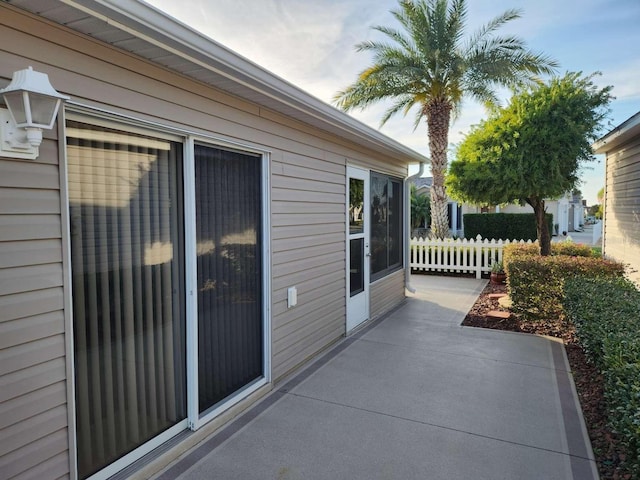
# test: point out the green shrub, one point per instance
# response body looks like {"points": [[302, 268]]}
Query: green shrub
{"points": [[606, 313], [572, 249], [557, 248], [502, 226], [601, 309], [536, 284]]}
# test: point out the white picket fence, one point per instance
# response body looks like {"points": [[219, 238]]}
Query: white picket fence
{"points": [[460, 255]]}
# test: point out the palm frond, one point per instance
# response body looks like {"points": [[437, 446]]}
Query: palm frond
{"points": [[457, 16], [425, 59], [397, 37], [507, 62], [493, 25], [403, 104]]}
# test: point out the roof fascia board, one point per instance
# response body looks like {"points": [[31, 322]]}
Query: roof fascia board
{"points": [[150, 24], [620, 134]]}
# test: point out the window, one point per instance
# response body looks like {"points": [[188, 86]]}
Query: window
{"points": [[386, 225], [458, 216]]}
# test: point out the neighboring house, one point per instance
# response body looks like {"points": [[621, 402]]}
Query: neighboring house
{"points": [[182, 241], [567, 211], [621, 223], [454, 210]]}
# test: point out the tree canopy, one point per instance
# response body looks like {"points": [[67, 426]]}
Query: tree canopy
{"points": [[431, 64], [532, 149]]}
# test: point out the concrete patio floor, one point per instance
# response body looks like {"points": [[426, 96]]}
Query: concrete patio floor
{"points": [[412, 396]]}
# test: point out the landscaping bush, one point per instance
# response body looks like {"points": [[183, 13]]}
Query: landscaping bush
{"points": [[502, 226], [572, 249], [557, 248], [536, 284], [606, 313]]}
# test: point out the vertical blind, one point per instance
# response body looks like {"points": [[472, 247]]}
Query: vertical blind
{"points": [[228, 228], [125, 204]]}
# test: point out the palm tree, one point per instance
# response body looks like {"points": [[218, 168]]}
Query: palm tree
{"points": [[430, 64], [419, 208]]}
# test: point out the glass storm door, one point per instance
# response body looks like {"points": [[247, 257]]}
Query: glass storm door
{"points": [[229, 273], [357, 247]]}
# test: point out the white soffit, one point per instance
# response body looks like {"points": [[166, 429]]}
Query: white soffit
{"points": [[143, 30]]}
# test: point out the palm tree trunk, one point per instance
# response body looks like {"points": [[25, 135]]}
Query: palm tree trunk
{"points": [[438, 112]]}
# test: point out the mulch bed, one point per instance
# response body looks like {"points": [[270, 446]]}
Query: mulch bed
{"points": [[589, 382]]}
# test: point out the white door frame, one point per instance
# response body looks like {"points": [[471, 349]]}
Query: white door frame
{"points": [[358, 305]]}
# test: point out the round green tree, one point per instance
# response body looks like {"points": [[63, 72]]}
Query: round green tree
{"points": [[533, 149]]}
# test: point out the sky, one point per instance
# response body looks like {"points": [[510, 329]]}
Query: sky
{"points": [[311, 44]]}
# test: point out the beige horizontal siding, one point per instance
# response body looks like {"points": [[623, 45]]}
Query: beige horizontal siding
{"points": [[30, 252], [54, 467], [28, 405], [311, 242], [318, 170], [386, 293], [33, 387], [304, 254], [306, 207], [29, 354], [29, 278], [20, 200], [293, 231], [46, 447], [29, 227], [320, 269], [20, 305], [294, 327], [29, 174], [26, 380], [293, 334], [308, 244], [26, 329], [295, 355], [622, 206], [309, 300]]}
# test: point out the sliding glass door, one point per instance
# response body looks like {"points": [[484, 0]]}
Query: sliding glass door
{"points": [[130, 221], [229, 272], [125, 207]]}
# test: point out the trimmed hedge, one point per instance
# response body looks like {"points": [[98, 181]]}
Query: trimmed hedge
{"points": [[606, 313], [503, 226], [557, 248], [536, 284]]}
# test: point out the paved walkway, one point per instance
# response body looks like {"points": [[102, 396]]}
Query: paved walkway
{"points": [[586, 237], [414, 396]]}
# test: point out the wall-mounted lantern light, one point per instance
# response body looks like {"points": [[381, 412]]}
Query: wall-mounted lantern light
{"points": [[32, 105]]}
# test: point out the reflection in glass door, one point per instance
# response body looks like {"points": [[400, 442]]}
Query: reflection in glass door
{"points": [[125, 206], [357, 247], [229, 272]]}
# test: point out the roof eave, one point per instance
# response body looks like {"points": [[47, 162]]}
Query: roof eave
{"points": [[619, 135], [147, 22]]}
